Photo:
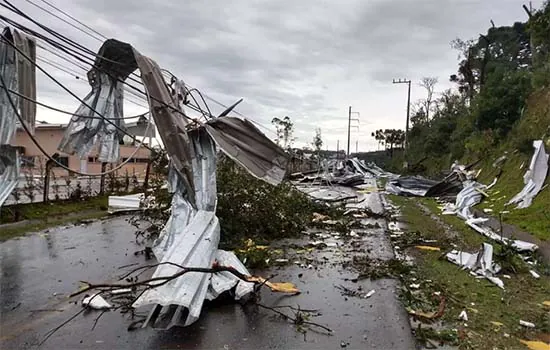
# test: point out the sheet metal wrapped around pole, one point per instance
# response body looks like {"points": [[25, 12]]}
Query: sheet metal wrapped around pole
{"points": [[191, 235], [106, 98], [8, 69], [26, 76], [17, 66], [170, 120], [19, 73]]}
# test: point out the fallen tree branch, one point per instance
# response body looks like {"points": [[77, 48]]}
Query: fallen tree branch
{"points": [[299, 320], [162, 279]]}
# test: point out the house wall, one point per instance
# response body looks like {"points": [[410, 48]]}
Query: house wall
{"points": [[49, 138]]}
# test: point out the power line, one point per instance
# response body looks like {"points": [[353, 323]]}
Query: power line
{"points": [[37, 144], [65, 88], [189, 90], [84, 80], [91, 53], [74, 19], [67, 112], [66, 50], [62, 19]]}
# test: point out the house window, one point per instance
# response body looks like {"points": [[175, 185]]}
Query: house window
{"points": [[27, 161], [142, 160], [62, 160]]}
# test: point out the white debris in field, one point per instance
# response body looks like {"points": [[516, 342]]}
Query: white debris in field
{"points": [[480, 264], [96, 302], [534, 177], [463, 316], [370, 294], [507, 276], [534, 274], [281, 261], [414, 286], [487, 210], [526, 324]]}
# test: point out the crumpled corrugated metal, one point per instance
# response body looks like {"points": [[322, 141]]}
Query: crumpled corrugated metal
{"points": [[83, 133], [19, 75], [467, 198], [169, 118], [190, 237], [534, 177], [8, 69], [480, 263], [9, 171], [246, 145], [114, 63], [26, 77]]}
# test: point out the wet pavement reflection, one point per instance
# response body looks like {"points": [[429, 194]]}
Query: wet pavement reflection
{"points": [[39, 271]]}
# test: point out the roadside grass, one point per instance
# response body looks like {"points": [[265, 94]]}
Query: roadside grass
{"points": [[33, 217], [534, 219], [493, 314]]}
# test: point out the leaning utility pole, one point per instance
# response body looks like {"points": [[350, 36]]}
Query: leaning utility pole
{"points": [[405, 81]]}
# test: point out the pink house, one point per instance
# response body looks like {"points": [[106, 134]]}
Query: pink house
{"points": [[49, 136]]}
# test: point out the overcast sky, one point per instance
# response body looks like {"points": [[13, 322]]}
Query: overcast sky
{"points": [[308, 59]]}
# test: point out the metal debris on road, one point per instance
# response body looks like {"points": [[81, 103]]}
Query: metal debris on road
{"points": [[96, 302]]}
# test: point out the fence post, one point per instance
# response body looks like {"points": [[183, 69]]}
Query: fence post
{"points": [[102, 179], [146, 180], [45, 196], [49, 166]]}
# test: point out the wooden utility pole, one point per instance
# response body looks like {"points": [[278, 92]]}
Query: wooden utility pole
{"points": [[406, 81]]}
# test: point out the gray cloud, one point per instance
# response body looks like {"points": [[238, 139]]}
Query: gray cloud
{"points": [[306, 59]]}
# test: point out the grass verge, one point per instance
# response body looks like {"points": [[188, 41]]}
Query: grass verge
{"points": [[493, 314], [33, 217]]}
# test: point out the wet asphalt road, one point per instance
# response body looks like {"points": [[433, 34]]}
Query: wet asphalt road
{"points": [[40, 270]]}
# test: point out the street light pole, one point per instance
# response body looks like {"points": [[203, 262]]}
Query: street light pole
{"points": [[406, 81]]}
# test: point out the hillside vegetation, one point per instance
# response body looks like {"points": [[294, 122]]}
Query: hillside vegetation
{"points": [[500, 104]]}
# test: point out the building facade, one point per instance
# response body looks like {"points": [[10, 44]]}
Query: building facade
{"points": [[49, 136]]}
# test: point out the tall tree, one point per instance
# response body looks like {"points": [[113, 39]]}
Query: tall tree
{"points": [[428, 83], [317, 143], [284, 129], [379, 136], [393, 138]]}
